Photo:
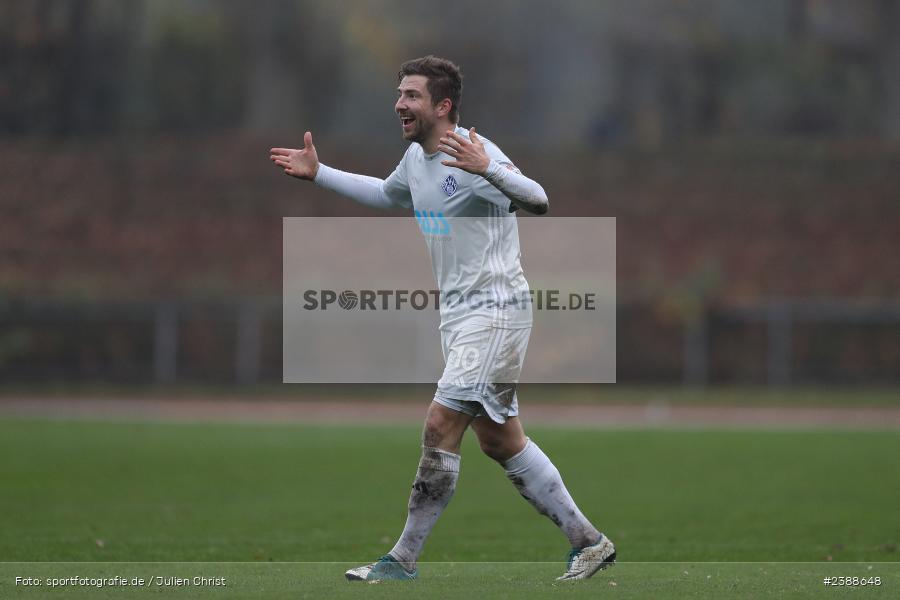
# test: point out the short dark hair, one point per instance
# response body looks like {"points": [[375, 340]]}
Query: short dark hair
{"points": [[444, 80]]}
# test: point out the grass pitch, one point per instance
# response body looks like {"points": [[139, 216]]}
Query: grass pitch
{"points": [[693, 513]]}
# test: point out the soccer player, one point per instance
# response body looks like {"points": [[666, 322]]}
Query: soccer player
{"points": [[464, 192]]}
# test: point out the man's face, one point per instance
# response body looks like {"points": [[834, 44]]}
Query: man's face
{"points": [[417, 115]]}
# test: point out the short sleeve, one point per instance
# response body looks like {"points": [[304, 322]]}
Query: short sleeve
{"points": [[396, 187], [484, 189]]}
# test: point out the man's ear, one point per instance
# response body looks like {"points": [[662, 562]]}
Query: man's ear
{"points": [[443, 107]]}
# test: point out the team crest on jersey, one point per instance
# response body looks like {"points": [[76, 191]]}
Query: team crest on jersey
{"points": [[450, 186]]}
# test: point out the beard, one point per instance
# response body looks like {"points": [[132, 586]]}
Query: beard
{"points": [[420, 132]]}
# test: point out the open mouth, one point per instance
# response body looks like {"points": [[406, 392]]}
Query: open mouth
{"points": [[406, 122]]}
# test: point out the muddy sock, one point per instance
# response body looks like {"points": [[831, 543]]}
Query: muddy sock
{"points": [[431, 492], [539, 482]]}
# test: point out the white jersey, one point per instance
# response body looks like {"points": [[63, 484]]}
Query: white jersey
{"points": [[472, 237]]}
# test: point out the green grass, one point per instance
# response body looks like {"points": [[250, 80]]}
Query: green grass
{"points": [[267, 495], [716, 395]]}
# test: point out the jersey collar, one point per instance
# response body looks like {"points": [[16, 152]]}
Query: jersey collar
{"points": [[460, 130]]}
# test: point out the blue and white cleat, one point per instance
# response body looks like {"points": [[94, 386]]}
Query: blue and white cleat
{"points": [[386, 568], [584, 562]]}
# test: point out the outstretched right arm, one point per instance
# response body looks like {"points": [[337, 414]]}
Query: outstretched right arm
{"points": [[304, 164]]}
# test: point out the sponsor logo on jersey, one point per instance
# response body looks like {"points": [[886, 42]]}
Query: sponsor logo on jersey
{"points": [[432, 224]]}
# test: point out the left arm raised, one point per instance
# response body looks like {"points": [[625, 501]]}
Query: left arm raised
{"points": [[525, 193], [471, 156]]}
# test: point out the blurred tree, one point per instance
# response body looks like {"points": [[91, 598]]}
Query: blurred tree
{"points": [[197, 71], [888, 53], [295, 63], [272, 97], [60, 65], [651, 71]]}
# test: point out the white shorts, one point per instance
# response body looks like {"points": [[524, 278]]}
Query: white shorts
{"points": [[481, 369]]}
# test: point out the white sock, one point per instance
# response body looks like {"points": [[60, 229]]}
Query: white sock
{"points": [[434, 486], [539, 482]]}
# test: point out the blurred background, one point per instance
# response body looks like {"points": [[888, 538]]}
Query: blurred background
{"points": [[749, 151]]}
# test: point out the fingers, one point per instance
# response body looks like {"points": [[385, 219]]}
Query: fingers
{"points": [[458, 138], [453, 143], [448, 150], [473, 136], [307, 143], [280, 161], [452, 163]]}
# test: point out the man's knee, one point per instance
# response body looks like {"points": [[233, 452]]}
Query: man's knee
{"points": [[500, 447], [494, 447], [443, 429], [500, 443], [434, 432]]}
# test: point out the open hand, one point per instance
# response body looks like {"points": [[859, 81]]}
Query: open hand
{"points": [[469, 154], [302, 163]]}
